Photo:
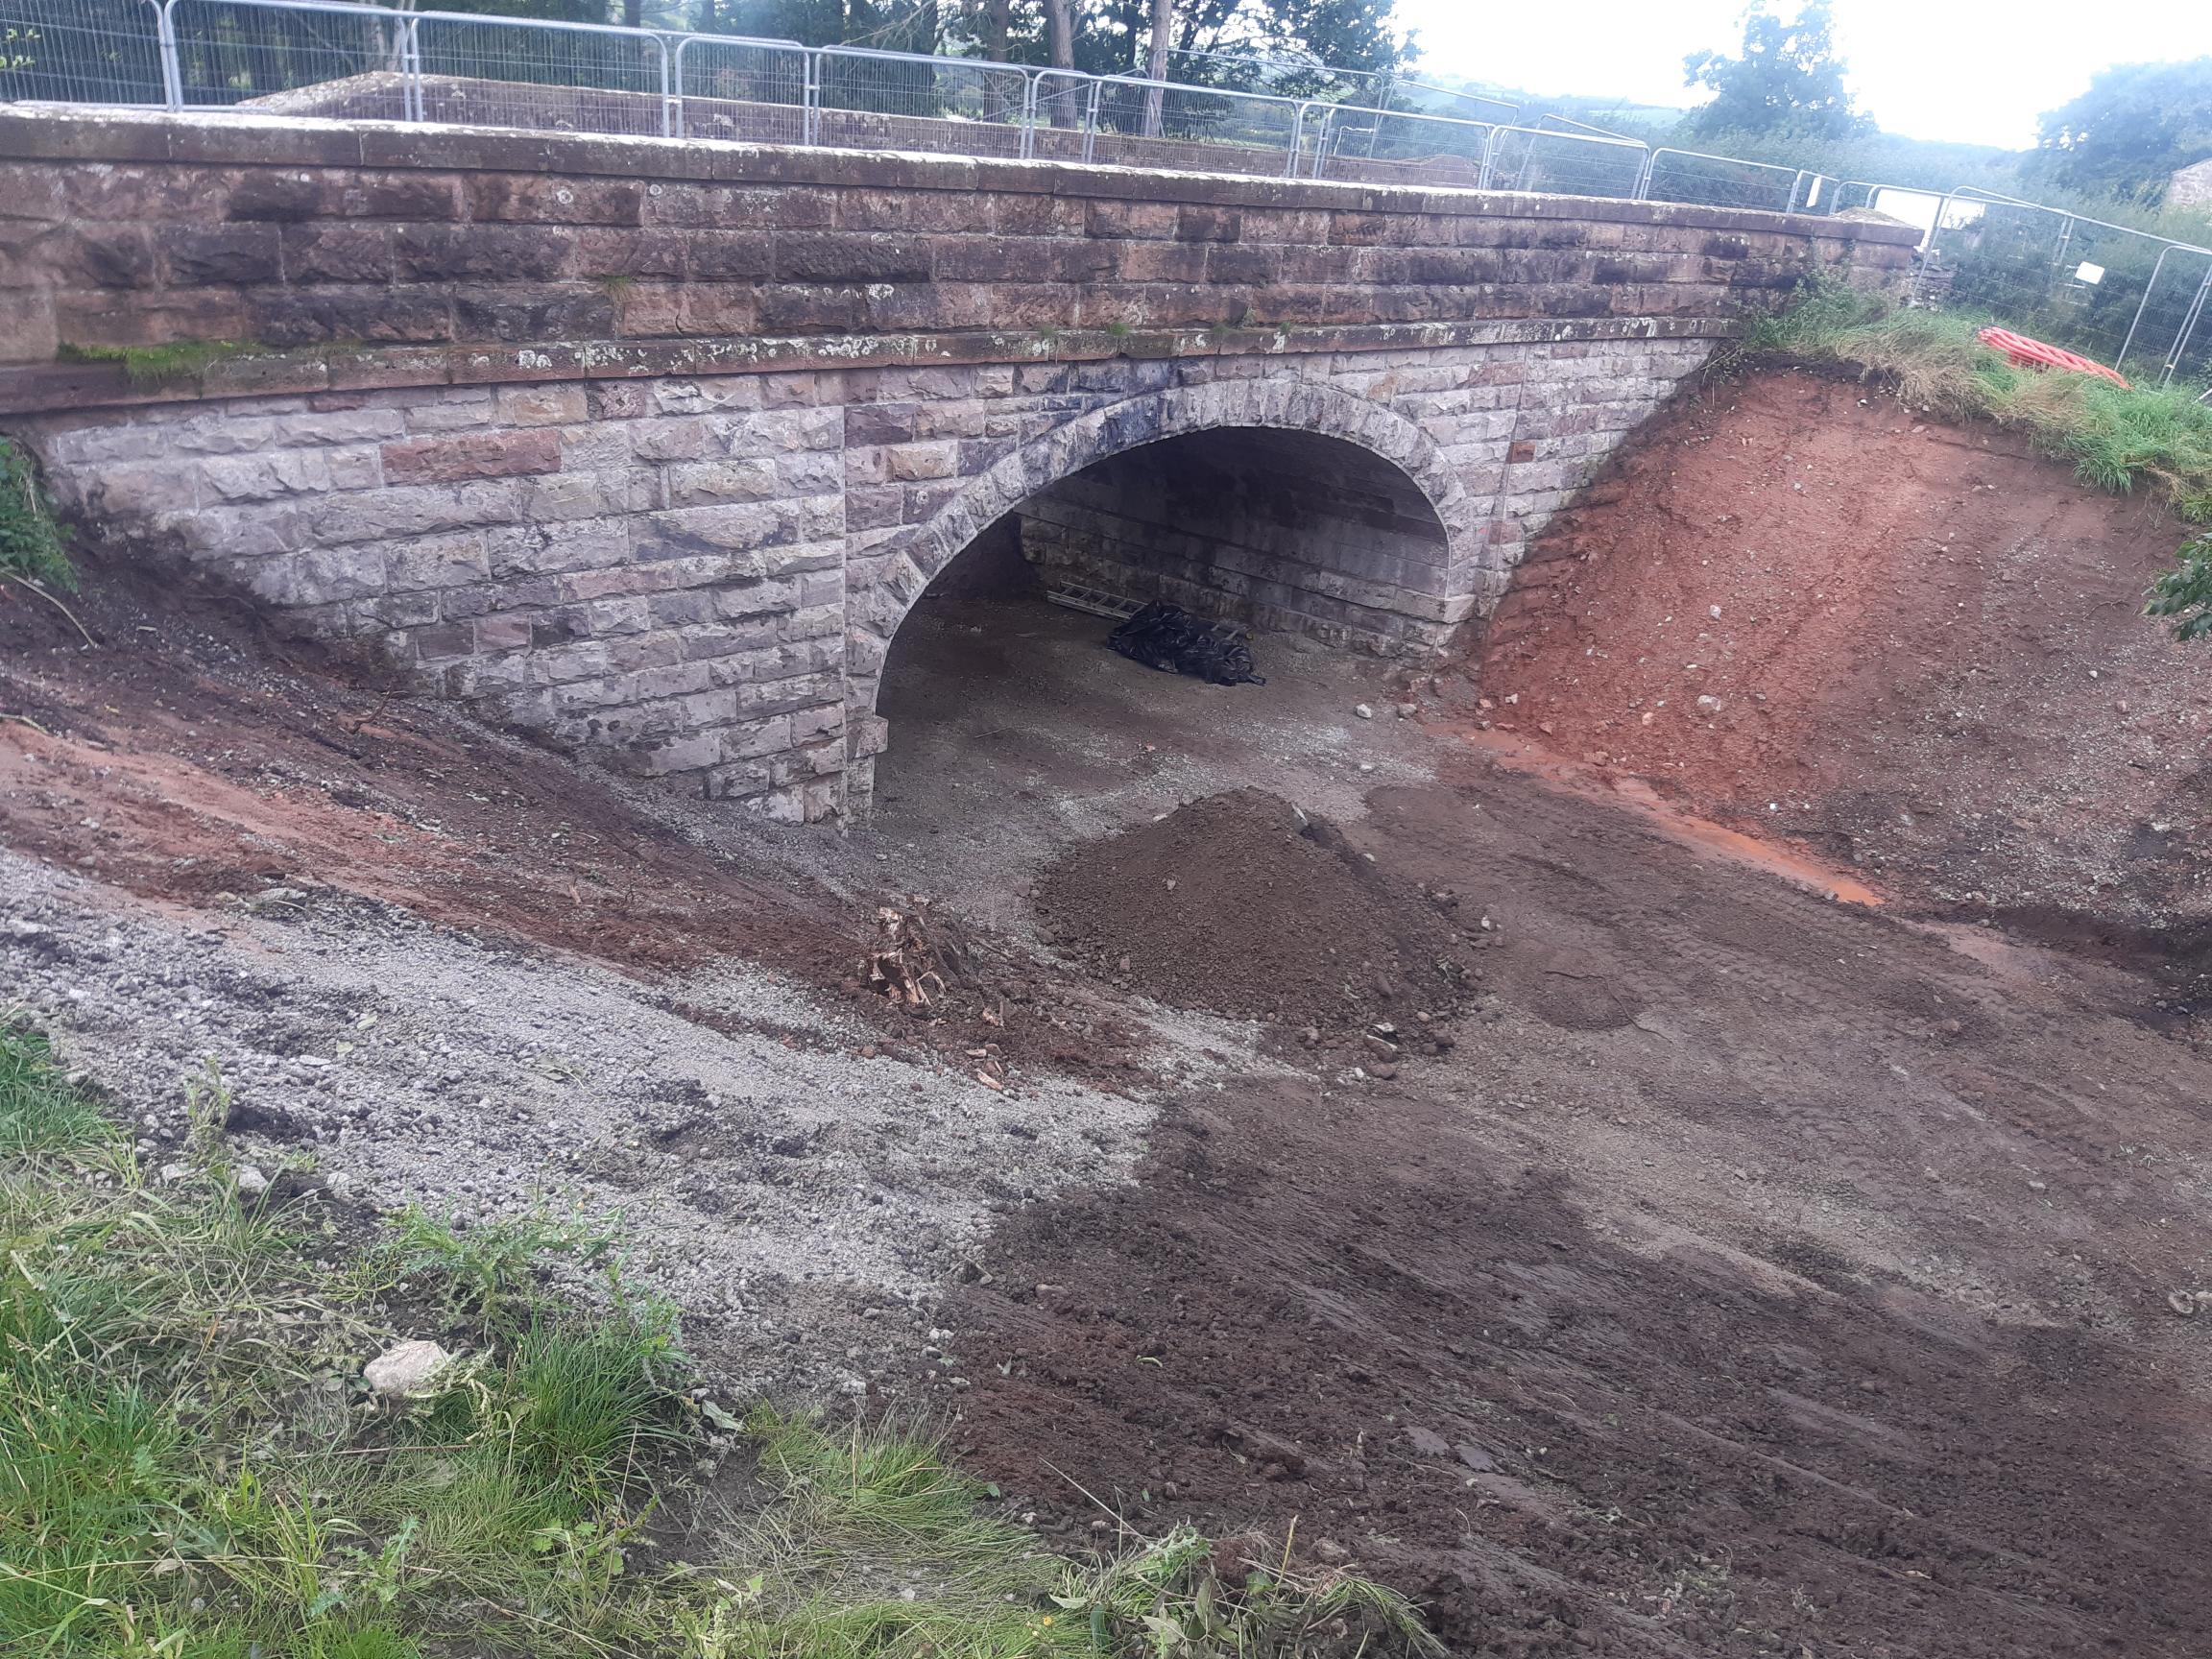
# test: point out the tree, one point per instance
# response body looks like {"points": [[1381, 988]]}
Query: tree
{"points": [[1789, 79], [2127, 135], [1060, 32], [2182, 596], [1342, 34], [1159, 38]]}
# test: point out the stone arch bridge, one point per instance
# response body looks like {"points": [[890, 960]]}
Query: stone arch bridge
{"points": [[649, 445]]}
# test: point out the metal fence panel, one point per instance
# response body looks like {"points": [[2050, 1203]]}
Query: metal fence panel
{"points": [[1563, 163], [753, 90], [81, 52], [2161, 339], [1688, 176], [1060, 115], [338, 61], [1158, 124], [490, 71], [2103, 290], [867, 100], [1386, 147]]}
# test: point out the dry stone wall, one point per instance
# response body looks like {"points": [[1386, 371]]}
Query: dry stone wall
{"points": [[650, 445]]}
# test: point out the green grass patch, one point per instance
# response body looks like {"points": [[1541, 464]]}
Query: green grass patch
{"points": [[191, 1466], [33, 546], [162, 365]]}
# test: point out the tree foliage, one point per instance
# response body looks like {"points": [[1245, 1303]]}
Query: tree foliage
{"points": [[1789, 78], [2130, 130], [2182, 596], [1112, 37]]}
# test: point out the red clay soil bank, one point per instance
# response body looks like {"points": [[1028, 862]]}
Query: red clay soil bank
{"points": [[1801, 607], [189, 757], [1243, 904]]}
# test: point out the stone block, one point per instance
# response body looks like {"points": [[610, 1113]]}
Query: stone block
{"points": [[755, 739], [400, 511], [912, 462], [377, 316], [436, 562], [521, 312], [266, 476], [712, 483], [450, 460], [320, 576], [28, 331], [550, 405], [479, 252], [193, 256], [533, 197]]}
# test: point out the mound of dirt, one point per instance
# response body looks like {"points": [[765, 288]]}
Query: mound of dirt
{"points": [[1243, 904], [1799, 606]]}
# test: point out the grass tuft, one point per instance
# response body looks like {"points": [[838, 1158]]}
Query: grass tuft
{"points": [[192, 1468], [33, 546], [38, 1111], [161, 365]]}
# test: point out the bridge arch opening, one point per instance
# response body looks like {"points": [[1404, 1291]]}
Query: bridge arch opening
{"points": [[1280, 528]]}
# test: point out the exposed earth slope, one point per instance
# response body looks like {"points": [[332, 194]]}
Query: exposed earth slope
{"points": [[1798, 605]]}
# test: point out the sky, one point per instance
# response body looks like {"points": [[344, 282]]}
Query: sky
{"points": [[1974, 71]]}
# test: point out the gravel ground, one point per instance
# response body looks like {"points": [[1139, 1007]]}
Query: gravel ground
{"points": [[801, 1202]]}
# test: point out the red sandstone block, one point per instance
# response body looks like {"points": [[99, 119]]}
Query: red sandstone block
{"points": [[912, 210], [815, 256], [1163, 261], [94, 317], [535, 198], [472, 455], [1208, 224], [337, 253], [496, 252], [374, 315], [722, 256], [1037, 216], [790, 305], [192, 257], [93, 256], [1130, 219], [609, 251]]}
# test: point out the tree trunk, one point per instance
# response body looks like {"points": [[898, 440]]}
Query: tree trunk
{"points": [[998, 28], [633, 14], [1060, 32], [1156, 63]]}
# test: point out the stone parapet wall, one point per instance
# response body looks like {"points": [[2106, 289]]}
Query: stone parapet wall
{"points": [[137, 230]]}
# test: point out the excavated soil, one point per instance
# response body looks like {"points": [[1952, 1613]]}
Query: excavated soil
{"points": [[1759, 1274], [1805, 609], [1241, 904]]}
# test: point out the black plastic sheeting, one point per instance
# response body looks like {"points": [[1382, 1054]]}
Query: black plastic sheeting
{"points": [[1169, 638]]}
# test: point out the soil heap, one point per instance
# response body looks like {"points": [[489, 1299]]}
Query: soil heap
{"points": [[1240, 904]]}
